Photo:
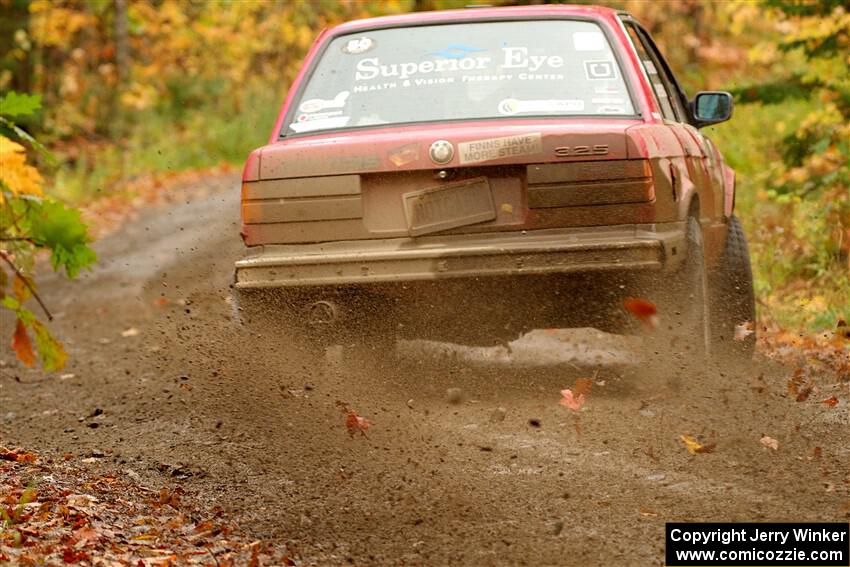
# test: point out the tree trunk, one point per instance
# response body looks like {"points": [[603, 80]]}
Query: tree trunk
{"points": [[122, 48]]}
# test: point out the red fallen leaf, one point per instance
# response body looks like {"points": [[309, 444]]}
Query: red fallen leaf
{"points": [[86, 536], [26, 458], [804, 394], [355, 423], [72, 556], [570, 400], [817, 452], [255, 556], [582, 386], [16, 456], [645, 311], [798, 387], [21, 344], [830, 402]]}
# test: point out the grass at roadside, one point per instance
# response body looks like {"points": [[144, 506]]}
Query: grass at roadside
{"points": [[796, 286], [160, 143]]}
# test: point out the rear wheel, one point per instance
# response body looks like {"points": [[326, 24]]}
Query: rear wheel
{"points": [[683, 309], [732, 297]]}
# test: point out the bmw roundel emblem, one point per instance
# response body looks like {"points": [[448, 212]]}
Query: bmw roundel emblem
{"points": [[441, 152]]}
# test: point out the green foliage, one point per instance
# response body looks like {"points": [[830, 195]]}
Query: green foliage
{"points": [[52, 226], [30, 223], [15, 104], [794, 248]]}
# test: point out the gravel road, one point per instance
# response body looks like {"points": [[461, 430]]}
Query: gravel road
{"points": [[470, 459]]}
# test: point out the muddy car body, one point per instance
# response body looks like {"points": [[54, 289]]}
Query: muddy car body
{"points": [[492, 161]]}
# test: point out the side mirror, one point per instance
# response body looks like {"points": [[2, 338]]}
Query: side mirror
{"points": [[711, 107]]}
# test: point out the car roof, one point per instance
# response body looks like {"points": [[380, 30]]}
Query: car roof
{"points": [[506, 12]]}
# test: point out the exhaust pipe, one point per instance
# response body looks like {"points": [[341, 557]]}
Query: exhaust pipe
{"points": [[322, 313]]}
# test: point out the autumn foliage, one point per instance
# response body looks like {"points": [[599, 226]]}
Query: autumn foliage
{"points": [[30, 222]]}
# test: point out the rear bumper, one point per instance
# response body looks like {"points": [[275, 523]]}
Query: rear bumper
{"points": [[398, 260]]}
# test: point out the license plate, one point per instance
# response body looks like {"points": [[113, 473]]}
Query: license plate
{"points": [[449, 206]]}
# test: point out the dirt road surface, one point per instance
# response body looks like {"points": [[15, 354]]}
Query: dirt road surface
{"points": [[163, 387]]}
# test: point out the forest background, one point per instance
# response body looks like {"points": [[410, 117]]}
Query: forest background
{"points": [[134, 92]]}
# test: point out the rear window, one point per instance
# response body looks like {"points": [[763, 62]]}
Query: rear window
{"points": [[462, 72]]}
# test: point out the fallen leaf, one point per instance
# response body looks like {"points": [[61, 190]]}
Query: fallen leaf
{"points": [[255, 558], [355, 423], [86, 536], [582, 386], [798, 387], [571, 401], [647, 513], [21, 344], [817, 452], [830, 402], [26, 458], [770, 443], [16, 456], [131, 332], [69, 555], [693, 446], [645, 311]]}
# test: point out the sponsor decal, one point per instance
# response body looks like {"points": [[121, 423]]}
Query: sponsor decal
{"points": [[372, 68], [456, 51], [610, 110], [589, 41], [513, 106], [358, 45], [498, 148], [600, 70], [318, 115], [606, 100], [320, 123], [606, 90], [317, 104], [403, 155]]}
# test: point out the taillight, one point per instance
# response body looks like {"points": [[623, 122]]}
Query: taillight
{"points": [[590, 183]]}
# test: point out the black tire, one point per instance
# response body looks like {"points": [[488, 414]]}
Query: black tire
{"points": [[732, 296]]}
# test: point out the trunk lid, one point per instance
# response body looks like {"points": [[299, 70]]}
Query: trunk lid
{"points": [[382, 183]]}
